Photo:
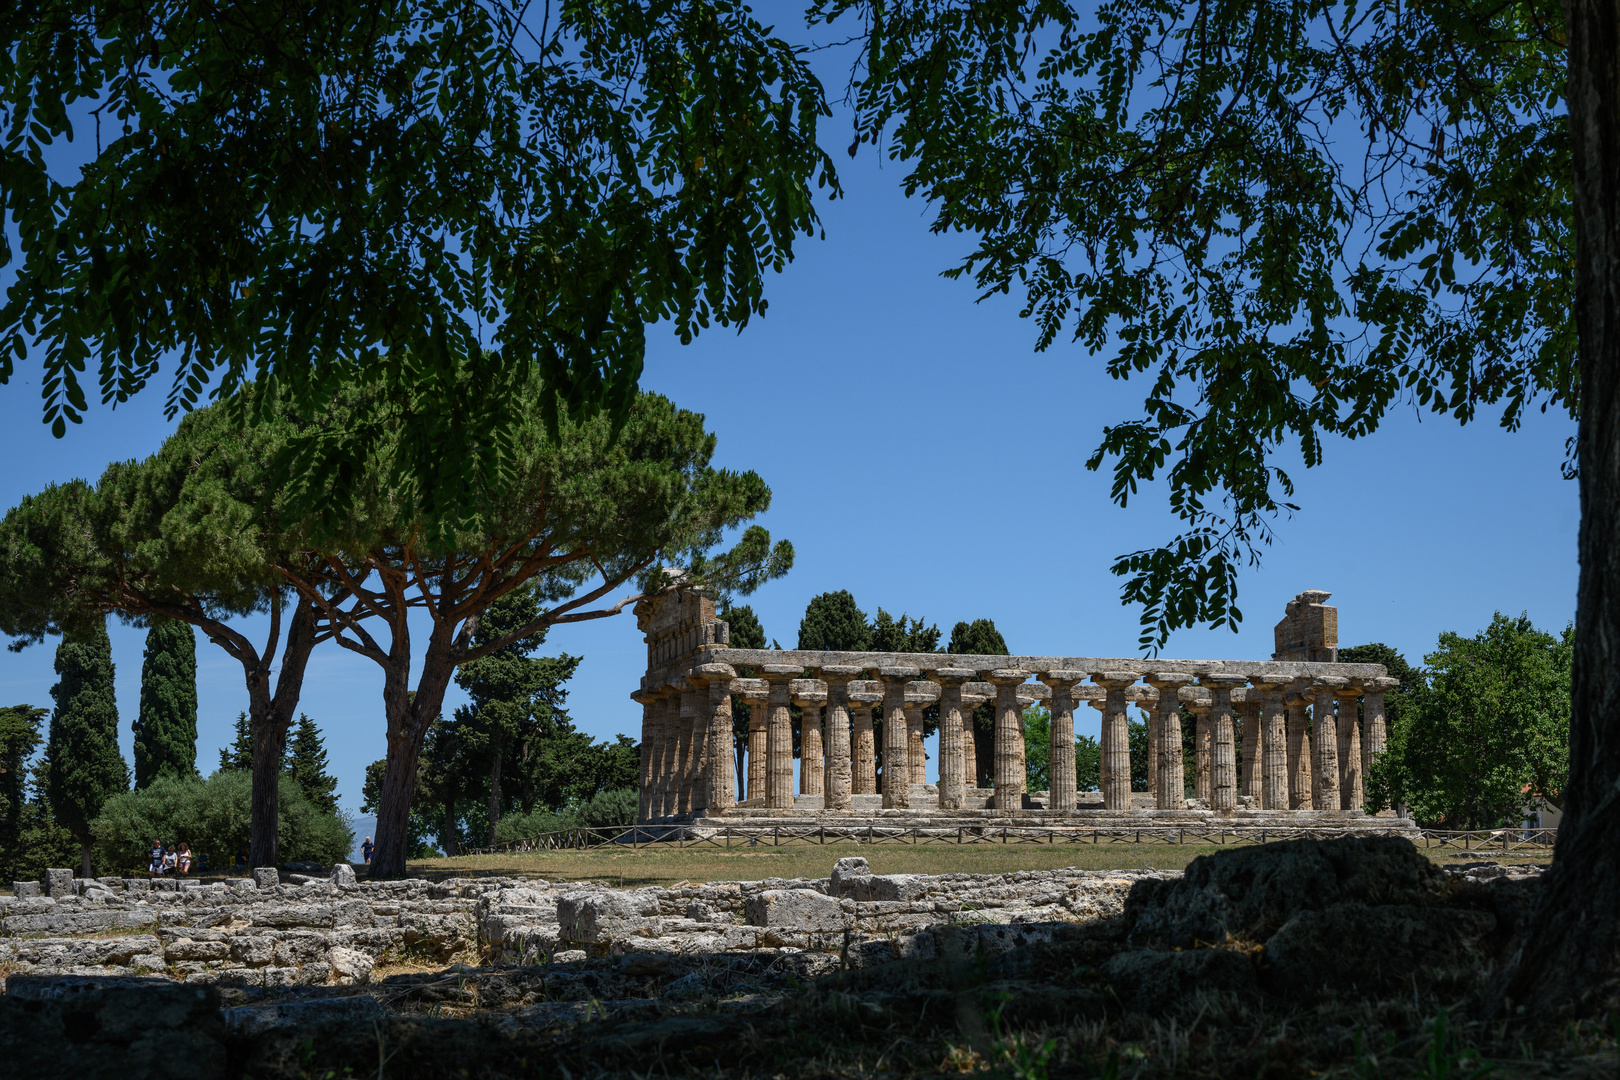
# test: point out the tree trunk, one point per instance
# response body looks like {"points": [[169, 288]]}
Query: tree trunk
{"points": [[84, 859], [494, 791], [271, 716], [1569, 960], [409, 717]]}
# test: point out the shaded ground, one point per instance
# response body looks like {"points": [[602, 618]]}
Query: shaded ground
{"points": [[666, 865]]}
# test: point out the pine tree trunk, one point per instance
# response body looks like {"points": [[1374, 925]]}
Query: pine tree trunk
{"points": [[409, 717], [84, 860], [270, 717], [494, 793], [1570, 957]]}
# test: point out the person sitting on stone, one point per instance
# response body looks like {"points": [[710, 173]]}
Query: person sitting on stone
{"points": [[183, 859]]}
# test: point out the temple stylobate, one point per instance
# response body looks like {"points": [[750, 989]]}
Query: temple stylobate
{"points": [[1287, 738]]}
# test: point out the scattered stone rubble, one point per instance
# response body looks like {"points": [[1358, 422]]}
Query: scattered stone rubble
{"points": [[603, 974]]}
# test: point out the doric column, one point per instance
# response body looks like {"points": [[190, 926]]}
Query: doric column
{"points": [[1273, 744], [1101, 705], [809, 695], [1171, 789], [1325, 741], [1116, 739], [952, 718], [652, 800], [720, 783], [644, 770], [669, 782], [1223, 749], [863, 746], [1060, 757], [1253, 783], [691, 756], [695, 787], [840, 775], [970, 736], [1199, 707], [1009, 734], [1350, 791], [756, 694], [1372, 703], [779, 736], [1299, 756], [916, 756], [896, 737]]}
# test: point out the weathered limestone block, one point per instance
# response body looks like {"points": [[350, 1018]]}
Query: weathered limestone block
{"points": [[24, 890], [253, 950], [252, 1019], [266, 877], [598, 917], [280, 915], [1374, 949], [191, 949], [58, 883], [295, 948], [343, 876], [135, 950], [795, 909], [57, 923], [161, 1029]]}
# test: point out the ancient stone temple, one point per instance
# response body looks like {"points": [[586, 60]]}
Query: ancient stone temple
{"points": [[1285, 740]]}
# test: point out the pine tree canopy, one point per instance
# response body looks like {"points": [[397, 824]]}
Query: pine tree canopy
{"points": [[166, 728], [745, 628], [306, 764], [239, 755], [833, 623], [903, 635], [84, 765]]}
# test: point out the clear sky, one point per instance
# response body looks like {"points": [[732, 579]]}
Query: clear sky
{"points": [[924, 457]]}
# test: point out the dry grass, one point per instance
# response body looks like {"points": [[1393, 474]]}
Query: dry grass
{"points": [[667, 865]]}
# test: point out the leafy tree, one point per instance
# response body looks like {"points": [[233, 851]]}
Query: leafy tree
{"points": [[833, 623], [545, 180], [1087, 763], [239, 755], [1396, 701], [306, 764], [166, 728], [980, 638], [83, 764], [1487, 725], [903, 635], [1038, 752], [580, 515], [214, 816]]}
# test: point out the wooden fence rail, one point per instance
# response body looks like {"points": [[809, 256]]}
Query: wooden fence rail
{"points": [[1480, 840]]}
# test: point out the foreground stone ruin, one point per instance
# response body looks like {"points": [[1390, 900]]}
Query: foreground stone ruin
{"points": [[1309, 729], [293, 979]]}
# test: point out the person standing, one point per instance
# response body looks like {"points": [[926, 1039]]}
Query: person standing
{"points": [[183, 862], [366, 849], [155, 862]]}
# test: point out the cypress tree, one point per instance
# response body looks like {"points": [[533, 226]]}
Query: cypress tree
{"points": [[166, 727], [306, 764], [83, 761], [239, 755]]}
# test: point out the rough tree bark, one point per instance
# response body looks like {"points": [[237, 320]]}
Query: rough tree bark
{"points": [[270, 715], [1570, 958]]}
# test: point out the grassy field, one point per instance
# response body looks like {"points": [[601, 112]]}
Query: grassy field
{"points": [[667, 865]]}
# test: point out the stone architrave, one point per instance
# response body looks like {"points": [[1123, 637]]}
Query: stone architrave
{"points": [[896, 737], [1299, 750], [779, 736], [1223, 748], [863, 742], [1010, 780], [1325, 743], [1199, 707], [970, 737], [840, 774], [720, 783], [1170, 792], [644, 802], [1253, 784], [756, 695], [952, 719], [810, 695], [1116, 739], [1372, 705], [695, 713], [1273, 744], [1350, 790], [1060, 756]]}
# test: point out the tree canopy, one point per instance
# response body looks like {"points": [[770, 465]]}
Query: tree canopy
{"points": [[166, 726], [1485, 729], [306, 764], [1285, 219], [834, 623], [403, 189]]}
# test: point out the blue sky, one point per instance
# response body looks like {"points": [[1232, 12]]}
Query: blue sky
{"points": [[924, 457]]}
